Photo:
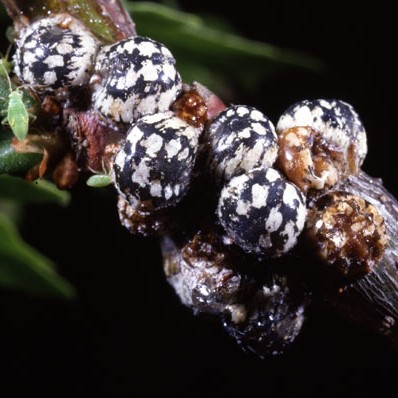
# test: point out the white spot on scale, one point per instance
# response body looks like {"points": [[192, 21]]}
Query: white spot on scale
{"points": [[54, 60], [257, 115], [30, 57], [156, 189], [168, 192], [50, 77], [242, 207], [272, 175], [259, 128], [290, 195], [169, 71], [274, 220], [30, 44], [245, 133], [153, 144], [149, 72], [147, 48], [242, 111], [64, 48], [141, 174], [290, 233], [327, 104], [183, 154], [172, 148], [259, 196], [134, 136]]}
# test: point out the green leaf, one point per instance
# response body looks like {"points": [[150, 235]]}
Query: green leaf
{"points": [[39, 191], [23, 268], [192, 41], [12, 162]]}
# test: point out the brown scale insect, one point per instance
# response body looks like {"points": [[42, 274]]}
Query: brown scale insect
{"points": [[348, 233], [309, 161], [191, 107]]}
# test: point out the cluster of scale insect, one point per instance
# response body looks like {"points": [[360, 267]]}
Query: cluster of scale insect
{"points": [[265, 181]]}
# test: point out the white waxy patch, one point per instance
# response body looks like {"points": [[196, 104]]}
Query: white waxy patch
{"points": [[168, 192], [147, 49], [172, 148], [153, 144], [259, 129], [257, 115], [183, 154], [156, 189], [275, 219], [64, 48], [272, 175], [242, 111], [290, 195], [50, 78], [259, 196], [141, 174], [242, 208]]}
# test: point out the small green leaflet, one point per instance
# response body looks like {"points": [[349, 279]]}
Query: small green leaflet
{"points": [[23, 268], [12, 162]]}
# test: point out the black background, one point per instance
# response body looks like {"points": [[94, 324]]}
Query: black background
{"points": [[127, 334]]}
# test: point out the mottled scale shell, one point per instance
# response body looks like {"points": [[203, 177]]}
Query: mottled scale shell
{"points": [[136, 77], [240, 139], [55, 52], [262, 212], [338, 122], [153, 168]]}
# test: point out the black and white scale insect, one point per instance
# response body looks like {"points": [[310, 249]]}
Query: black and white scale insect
{"points": [[336, 120], [55, 52], [240, 139], [134, 77], [262, 212], [153, 169]]}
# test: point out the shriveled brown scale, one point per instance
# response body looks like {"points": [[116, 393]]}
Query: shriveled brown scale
{"points": [[213, 102], [139, 222], [274, 317], [202, 275], [95, 144], [321, 142], [308, 160], [348, 233], [66, 172]]}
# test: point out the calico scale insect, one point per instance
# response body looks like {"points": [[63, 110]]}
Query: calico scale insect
{"points": [[55, 53], [134, 77]]}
